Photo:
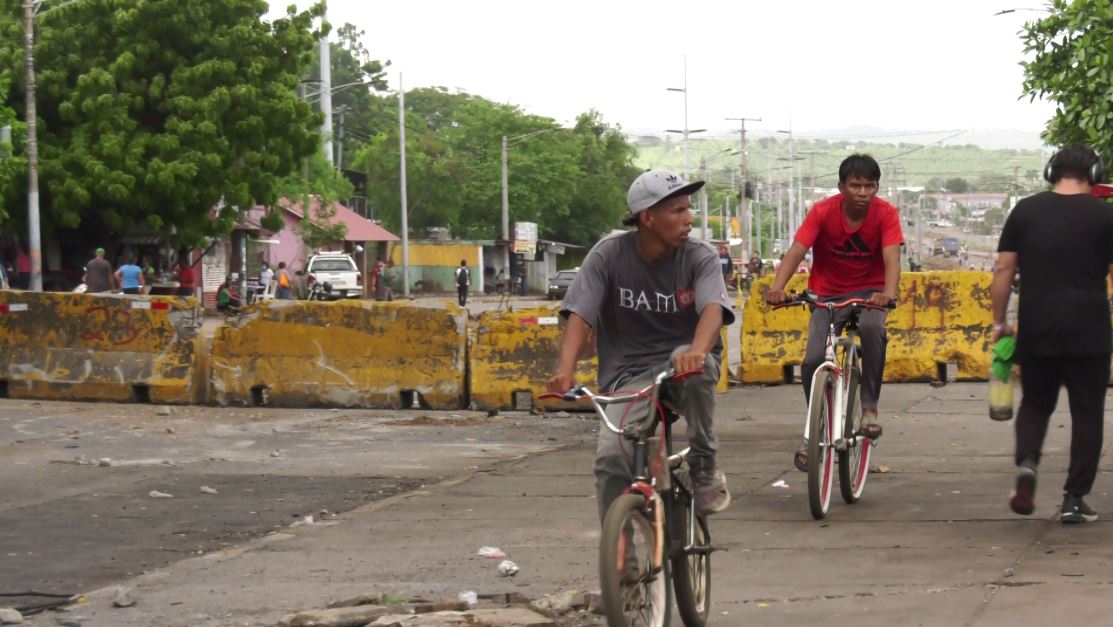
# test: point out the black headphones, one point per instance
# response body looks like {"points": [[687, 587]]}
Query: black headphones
{"points": [[1095, 175]]}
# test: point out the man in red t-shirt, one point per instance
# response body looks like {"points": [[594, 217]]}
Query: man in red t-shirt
{"points": [[855, 239]]}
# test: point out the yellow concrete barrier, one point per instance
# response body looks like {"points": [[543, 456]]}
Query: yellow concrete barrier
{"points": [[347, 354], [513, 354], [941, 323], [99, 347]]}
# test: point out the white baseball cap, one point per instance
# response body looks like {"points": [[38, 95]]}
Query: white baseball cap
{"points": [[653, 186]]}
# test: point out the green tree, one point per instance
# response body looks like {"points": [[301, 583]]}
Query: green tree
{"points": [[152, 112], [356, 79], [1072, 66], [12, 167], [572, 182], [957, 185]]}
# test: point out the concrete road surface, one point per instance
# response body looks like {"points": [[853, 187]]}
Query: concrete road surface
{"points": [[931, 543]]}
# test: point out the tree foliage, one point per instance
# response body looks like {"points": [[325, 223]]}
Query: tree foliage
{"points": [[1072, 66], [150, 112], [571, 181], [12, 167], [356, 78]]}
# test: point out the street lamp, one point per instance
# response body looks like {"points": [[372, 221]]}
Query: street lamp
{"points": [[792, 201], [506, 143], [685, 131]]}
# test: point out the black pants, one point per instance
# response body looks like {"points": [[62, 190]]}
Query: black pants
{"points": [[462, 294], [1086, 378]]}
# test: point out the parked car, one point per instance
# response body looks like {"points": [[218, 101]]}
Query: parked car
{"points": [[945, 246], [337, 269], [559, 283]]}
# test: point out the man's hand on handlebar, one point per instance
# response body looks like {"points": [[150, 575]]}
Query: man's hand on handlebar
{"points": [[775, 297], [560, 383], [881, 299], [692, 360]]}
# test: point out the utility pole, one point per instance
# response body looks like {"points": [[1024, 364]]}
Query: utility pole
{"points": [[506, 204], [703, 200], [744, 209], [728, 228], [685, 131], [34, 246], [326, 94], [405, 203], [340, 141], [920, 230]]}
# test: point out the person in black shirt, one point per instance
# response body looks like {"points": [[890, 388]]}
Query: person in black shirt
{"points": [[1062, 240]]}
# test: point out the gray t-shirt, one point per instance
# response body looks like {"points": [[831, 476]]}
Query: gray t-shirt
{"points": [[98, 276], [640, 311]]}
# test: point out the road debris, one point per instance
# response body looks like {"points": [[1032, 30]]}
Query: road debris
{"points": [[507, 568], [155, 494], [492, 552]]}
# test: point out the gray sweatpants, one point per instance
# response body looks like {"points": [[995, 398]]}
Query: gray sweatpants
{"points": [[871, 332], [693, 397]]}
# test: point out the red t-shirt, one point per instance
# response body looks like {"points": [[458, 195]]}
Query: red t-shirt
{"points": [[845, 260], [185, 277]]}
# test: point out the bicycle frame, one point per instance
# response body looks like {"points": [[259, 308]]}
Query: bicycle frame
{"points": [[830, 363], [645, 483]]}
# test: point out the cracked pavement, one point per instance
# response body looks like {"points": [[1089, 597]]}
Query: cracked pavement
{"points": [[931, 543]]}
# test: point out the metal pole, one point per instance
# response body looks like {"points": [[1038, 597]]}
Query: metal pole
{"points": [[33, 236], [340, 143], [506, 206], [405, 203], [242, 283], [686, 179], [702, 193], [919, 229], [745, 207], [326, 92]]}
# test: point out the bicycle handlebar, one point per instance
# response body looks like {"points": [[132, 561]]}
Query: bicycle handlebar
{"points": [[810, 299], [601, 400]]}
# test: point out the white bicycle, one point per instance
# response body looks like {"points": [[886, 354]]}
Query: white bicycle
{"points": [[835, 410]]}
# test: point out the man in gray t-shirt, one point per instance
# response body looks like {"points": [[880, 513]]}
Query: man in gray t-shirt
{"points": [[98, 275], [655, 299]]}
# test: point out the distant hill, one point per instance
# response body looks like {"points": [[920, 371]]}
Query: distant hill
{"points": [[907, 157]]}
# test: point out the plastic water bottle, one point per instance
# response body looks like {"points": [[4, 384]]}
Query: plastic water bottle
{"points": [[1001, 379], [1000, 397]]}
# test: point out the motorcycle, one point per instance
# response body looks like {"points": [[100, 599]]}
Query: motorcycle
{"points": [[319, 291]]}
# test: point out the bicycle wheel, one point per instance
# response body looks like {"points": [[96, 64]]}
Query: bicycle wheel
{"points": [[691, 572], [821, 458], [634, 595], [854, 464]]}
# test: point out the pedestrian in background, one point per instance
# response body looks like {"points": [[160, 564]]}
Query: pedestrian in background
{"points": [[130, 277], [265, 276], [463, 282], [1062, 241], [282, 290], [98, 277], [187, 278], [23, 268]]}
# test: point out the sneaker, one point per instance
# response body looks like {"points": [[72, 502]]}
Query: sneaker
{"points": [[800, 457], [1023, 500], [1075, 510], [710, 490]]}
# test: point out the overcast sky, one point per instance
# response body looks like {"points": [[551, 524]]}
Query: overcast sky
{"points": [[892, 64]]}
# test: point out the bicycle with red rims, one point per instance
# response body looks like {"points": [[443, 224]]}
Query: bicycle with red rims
{"points": [[835, 408], [651, 533]]}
